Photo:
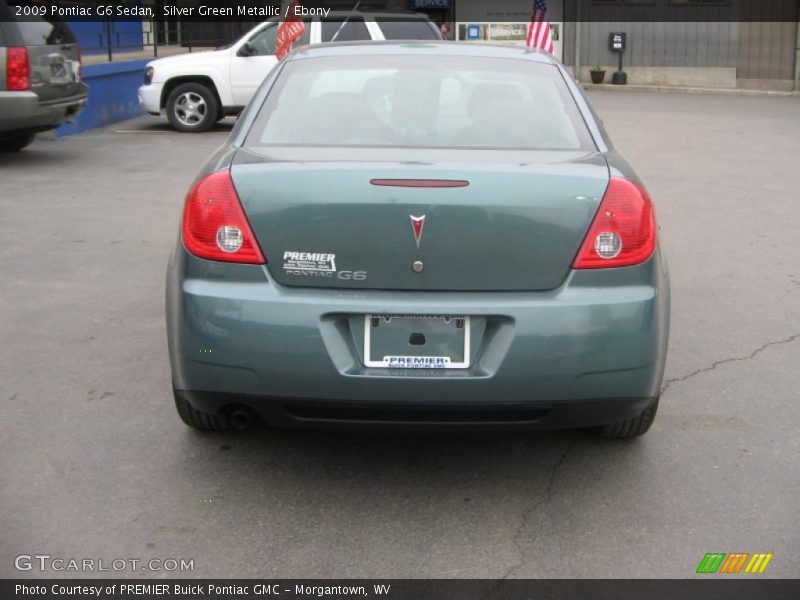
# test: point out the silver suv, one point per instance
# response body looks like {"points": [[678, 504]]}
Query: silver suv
{"points": [[40, 84]]}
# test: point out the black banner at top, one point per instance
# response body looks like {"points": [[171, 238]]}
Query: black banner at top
{"points": [[459, 11]]}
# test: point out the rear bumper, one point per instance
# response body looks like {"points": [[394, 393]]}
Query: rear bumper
{"points": [[23, 111], [301, 413], [585, 353]]}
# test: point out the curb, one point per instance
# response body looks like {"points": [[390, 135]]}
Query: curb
{"points": [[605, 87]]}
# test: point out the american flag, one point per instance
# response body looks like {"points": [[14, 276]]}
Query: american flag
{"points": [[539, 29], [289, 31]]}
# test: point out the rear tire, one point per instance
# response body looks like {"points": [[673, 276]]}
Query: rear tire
{"points": [[15, 143], [202, 421], [631, 427], [192, 108]]}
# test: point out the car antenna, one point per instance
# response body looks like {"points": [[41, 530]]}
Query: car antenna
{"points": [[347, 18]]}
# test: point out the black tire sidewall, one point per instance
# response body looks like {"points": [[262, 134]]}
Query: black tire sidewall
{"points": [[212, 107]]}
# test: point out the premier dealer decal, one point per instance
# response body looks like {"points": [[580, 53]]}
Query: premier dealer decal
{"points": [[317, 264], [309, 261]]}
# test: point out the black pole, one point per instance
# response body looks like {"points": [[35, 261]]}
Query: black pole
{"points": [[108, 38], [620, 77]]}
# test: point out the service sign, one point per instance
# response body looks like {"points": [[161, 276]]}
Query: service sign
{"points": [[431, 4]]}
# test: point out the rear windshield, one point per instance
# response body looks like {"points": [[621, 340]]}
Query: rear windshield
{"points": [[35, 30], [398, 29], [421, 101]]}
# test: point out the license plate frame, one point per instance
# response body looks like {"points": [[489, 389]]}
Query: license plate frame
{"points": [[417, 361]]}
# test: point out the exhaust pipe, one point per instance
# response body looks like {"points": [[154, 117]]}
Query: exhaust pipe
{"points": [[242, 418]]}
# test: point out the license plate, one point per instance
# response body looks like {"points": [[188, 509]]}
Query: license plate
{"points": [[416, 341], [58, 70]]}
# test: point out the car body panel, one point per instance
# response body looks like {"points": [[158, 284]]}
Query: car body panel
{"points": [[55, 71], [212, 64], [23, 111], [245, 74], [234, 331]]}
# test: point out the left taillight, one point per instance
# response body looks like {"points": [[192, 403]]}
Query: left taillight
{"points": [[623, 232], [18, 71], [148, 75], [214, 224]]}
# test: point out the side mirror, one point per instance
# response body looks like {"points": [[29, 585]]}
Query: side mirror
{"points": [[246, 49]]}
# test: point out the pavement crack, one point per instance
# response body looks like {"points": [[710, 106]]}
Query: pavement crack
{"points": [[753, 354], [526, 514]]}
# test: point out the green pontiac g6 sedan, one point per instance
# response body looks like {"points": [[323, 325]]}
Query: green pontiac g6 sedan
{"points": [[428, 235]]}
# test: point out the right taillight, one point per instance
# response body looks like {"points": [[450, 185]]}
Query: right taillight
{"points": [[214, 224], [623, 232], [18, 71]]}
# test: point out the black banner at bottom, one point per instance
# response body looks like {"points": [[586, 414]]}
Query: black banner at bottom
{"points": [[399, 589]]}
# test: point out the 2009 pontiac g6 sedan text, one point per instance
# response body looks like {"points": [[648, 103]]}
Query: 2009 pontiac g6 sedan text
{"points": [[418, 234]]}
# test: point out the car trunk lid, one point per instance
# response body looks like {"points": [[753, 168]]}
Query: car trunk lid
{"points": [[53, 56], [504, 220], [54, 71]]}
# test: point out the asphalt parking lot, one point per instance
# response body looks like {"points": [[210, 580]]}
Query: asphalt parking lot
{"points": [[94, 462]]}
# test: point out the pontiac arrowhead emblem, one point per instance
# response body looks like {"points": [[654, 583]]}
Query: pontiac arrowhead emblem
{"points": [[417, 223]]}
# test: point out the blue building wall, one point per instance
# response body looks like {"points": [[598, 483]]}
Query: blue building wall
{"points": [[113, 95], [94, 36]]}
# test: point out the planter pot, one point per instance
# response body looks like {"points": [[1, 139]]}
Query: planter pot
{"points": [[597, 76]]}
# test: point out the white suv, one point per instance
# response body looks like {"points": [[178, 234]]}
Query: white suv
{"points": [[198, 89]]}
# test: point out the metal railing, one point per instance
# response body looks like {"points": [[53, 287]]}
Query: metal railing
{"points": [[152, 36], [155, 33]]}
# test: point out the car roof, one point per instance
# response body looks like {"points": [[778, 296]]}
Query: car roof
{"points": [[433, 47]]}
